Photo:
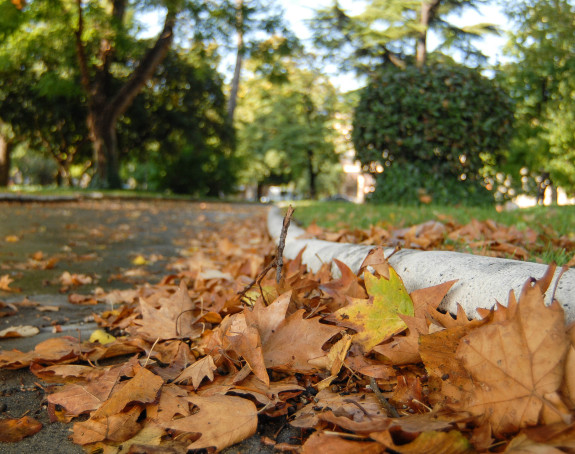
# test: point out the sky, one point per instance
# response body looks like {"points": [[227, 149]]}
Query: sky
{"points": [[298, 11]]}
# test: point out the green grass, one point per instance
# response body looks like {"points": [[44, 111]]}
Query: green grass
{"points": [[340, 215], [108, 193]]}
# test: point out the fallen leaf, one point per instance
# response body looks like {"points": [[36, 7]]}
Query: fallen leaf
{"points": [[244, 338], [101, 336], [73, 280], [521, 444], [358, 409], [14, 430], [376, 319], [48, 308], [512, 371], [115, 427], [322, 442], [170, 318], [19, 331], [296, 342], [220, 420], [202, 368], [5, 282], [87, 300], [143, 388], [268, 318], [428, 443]]}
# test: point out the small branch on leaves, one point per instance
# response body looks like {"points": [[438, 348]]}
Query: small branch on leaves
{"points": [[277, 261], [282, 243], [382, 400]]}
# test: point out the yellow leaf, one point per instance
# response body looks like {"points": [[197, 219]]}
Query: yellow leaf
{"points": [[102, 337], [139, 260], [377, 319]]}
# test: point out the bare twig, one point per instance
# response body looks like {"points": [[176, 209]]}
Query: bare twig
{"points": [[281, 244], [388, 407], [258, 279], [358, 405], [277, 261]]}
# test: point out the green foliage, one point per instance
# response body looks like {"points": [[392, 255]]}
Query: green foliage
{"points": [[408, 183], [541, 80], [177, 128], [34, 168], [387, 30], [440, 123], [200, 172], [285, 130]]}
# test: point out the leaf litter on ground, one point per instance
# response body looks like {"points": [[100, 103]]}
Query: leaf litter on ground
{"points": [[202, 360]]}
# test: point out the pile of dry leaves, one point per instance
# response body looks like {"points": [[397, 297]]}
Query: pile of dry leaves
{"points": [[356, 362], [480, 237]]}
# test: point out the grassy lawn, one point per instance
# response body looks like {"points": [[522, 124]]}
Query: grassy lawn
{"points": [[550, 223]]}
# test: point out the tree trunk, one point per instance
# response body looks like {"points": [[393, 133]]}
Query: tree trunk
{"points": [[232, 101], [105, 108], [428, 8], [6, 146], [312, 176]]}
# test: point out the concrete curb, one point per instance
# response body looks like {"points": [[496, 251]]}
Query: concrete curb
{"points": [[481, 280]]}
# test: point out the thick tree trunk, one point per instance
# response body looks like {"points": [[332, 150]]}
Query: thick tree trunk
{"points": [[428, 8], [6, 146], [312, 176], [232, 101], [104, 108], [104, 142]]}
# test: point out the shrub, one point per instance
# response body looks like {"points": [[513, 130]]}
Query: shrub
{"points": [[448, 122]]}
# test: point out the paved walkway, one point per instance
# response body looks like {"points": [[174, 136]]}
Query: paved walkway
{"points": [[106, 240]]}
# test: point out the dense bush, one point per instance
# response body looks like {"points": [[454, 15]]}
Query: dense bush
{"points": [[446, 123]]}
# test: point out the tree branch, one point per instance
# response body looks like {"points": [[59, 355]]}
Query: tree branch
{"points": [[81, 53], [145, 69]]}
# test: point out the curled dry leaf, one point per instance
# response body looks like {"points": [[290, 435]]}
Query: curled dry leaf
{"points": [[13, 430], [19, 331]]}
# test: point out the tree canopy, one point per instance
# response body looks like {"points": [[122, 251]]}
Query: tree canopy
{"points": [[541, 80]]}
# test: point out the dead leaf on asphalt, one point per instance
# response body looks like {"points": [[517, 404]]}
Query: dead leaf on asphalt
{"points": [[5, 282], [19, 331], [14, 430]]}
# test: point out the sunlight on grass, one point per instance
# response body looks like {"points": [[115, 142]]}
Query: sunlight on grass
{"points": [[549, 222]]}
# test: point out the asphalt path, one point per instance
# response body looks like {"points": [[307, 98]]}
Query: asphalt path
{"points": [[105, 240]]}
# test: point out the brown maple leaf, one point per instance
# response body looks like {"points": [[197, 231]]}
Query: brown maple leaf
{"points": [[296, 341], [244, 338], [203, 368], [170, 318], [516, 364], [221, 420]]}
